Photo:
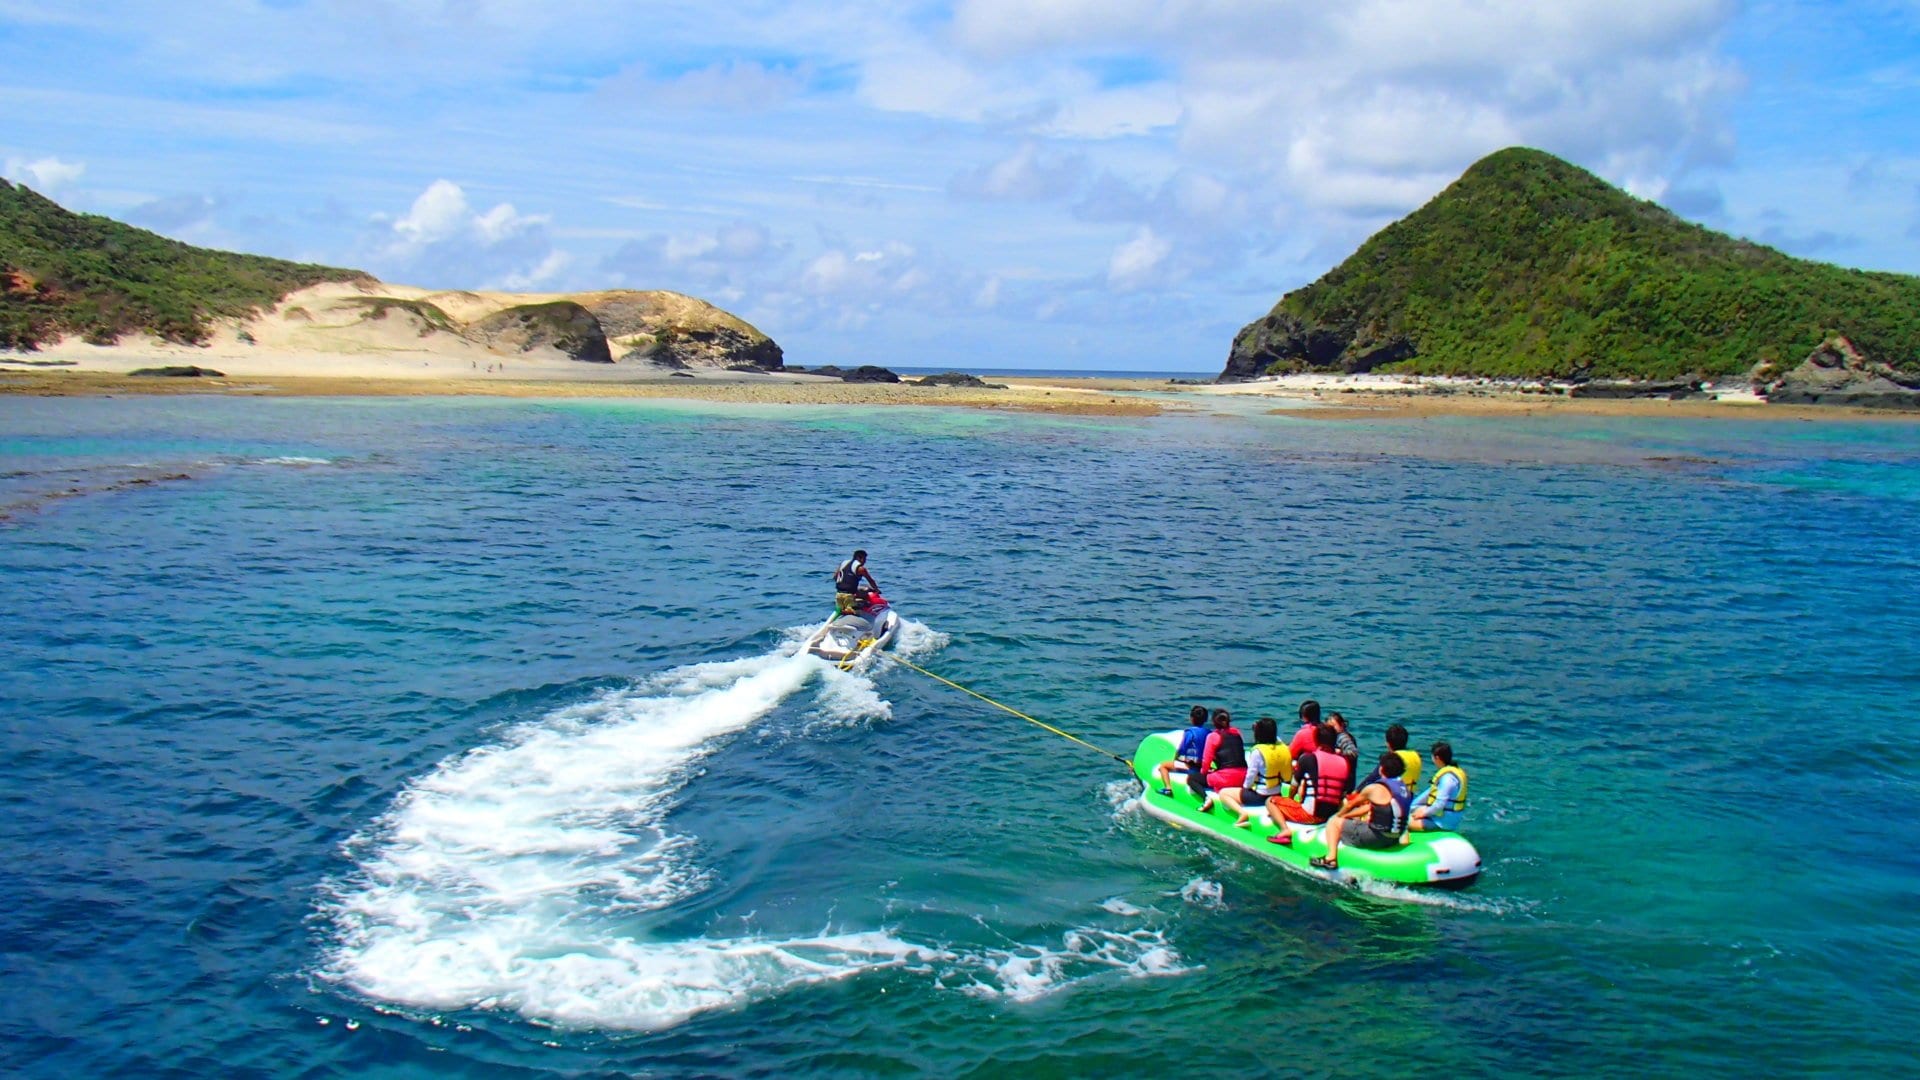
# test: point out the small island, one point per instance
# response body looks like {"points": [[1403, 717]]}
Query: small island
{"points": [[1529, 269]]}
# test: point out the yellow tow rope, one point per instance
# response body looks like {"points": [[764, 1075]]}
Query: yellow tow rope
{"points": [[853, 654], [1005, 708]]}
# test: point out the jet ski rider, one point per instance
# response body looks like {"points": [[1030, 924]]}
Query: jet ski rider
{"points": [[848, 596]]}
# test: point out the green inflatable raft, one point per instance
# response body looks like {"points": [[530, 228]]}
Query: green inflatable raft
{"points": [[1441, 859]]}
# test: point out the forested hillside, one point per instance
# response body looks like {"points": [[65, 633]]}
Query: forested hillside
{"points": [[66, 273], [1530, 266]]}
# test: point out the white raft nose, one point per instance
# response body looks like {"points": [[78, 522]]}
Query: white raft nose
{"points": [[1455, 862]]}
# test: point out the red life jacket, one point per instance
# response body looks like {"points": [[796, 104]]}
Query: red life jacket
{"points": [[1331, 779]]}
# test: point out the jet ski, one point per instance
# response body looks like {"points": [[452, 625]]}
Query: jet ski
{"points": [[852, 638]]}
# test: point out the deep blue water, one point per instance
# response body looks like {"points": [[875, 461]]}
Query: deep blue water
{"points": [[454, 737]]}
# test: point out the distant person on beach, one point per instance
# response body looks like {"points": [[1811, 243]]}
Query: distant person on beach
{"points": [[1446, 799], [1269, 769], [846, 583], [1375, 818], [1302, 743], [1223, 763], [1193, 745]]}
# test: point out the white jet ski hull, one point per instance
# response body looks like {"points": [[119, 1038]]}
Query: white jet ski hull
{"points": [[851, 639]]}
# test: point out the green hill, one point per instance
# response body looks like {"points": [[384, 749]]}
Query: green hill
{"points": [[66, 273], [1530, 266]]}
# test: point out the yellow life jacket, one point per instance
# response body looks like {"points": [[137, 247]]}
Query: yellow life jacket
{"points": [[1460, 800], [1411, 777], [1276, 763]]}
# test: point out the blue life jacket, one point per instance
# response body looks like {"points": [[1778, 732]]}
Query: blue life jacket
{"points": [[1391, 819], [1193, 744]]}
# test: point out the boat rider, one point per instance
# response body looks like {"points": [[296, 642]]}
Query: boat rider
{"points": [[1446, 799], [1193, 744], [1321, 780], [1344, 743], [1303, 743], [1376, 818], [846, 583], [1223, 763], [1397, 742], [1269, 770]]}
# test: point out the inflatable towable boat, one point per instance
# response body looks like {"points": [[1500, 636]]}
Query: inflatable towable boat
{"points": [[1441, 859], [850, 640]]}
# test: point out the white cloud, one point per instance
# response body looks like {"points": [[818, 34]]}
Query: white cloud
{"points": [[46, 175], [739, 261], [1029, 174], [853, 275], [1138, 263], [987, 296], [744, 85], [1374, 102], [540, 274], [1106, 114], [442, 237]]}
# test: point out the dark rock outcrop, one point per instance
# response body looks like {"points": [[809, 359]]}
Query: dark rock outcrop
{"points": [[187, 371], [958, 378], [1671, 389], [711, 346], [863, 373], [1283, 343], [560, 324], [1837, 373]]}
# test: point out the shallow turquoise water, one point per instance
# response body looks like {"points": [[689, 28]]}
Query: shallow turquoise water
{"points": [[453, 737]]}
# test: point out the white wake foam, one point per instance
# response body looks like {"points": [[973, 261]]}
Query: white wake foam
{"points": [[1203, 893], [512, 877], [1030, 972], [918, 639], [501, 879]]}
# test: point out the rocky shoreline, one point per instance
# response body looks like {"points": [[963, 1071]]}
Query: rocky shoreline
{"points": [[1835, 374]]}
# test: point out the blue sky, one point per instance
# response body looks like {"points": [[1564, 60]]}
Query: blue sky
{"points": [[1094, 184]]}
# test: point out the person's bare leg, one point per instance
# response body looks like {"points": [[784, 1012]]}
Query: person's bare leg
{"points": [[1231, 796], [1334, 826], [1283, 830]]}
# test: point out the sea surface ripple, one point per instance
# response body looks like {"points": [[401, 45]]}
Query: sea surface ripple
{"points": [[429, 737]]}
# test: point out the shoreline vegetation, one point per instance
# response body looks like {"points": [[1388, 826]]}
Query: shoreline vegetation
{"points": [[1324, 397]]}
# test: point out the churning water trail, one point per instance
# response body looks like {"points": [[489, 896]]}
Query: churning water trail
{"points": [[517, 876], [510, 877]]}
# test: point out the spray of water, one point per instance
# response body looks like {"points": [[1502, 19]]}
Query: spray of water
{"points": [[510, 876]]}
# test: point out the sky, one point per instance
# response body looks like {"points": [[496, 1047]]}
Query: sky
{"points": [[980, 184]]}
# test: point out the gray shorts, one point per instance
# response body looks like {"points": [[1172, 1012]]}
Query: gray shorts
{"points": [[1363, 834]]}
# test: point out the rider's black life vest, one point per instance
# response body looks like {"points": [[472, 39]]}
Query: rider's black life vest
{"points": [[847, 578]]}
